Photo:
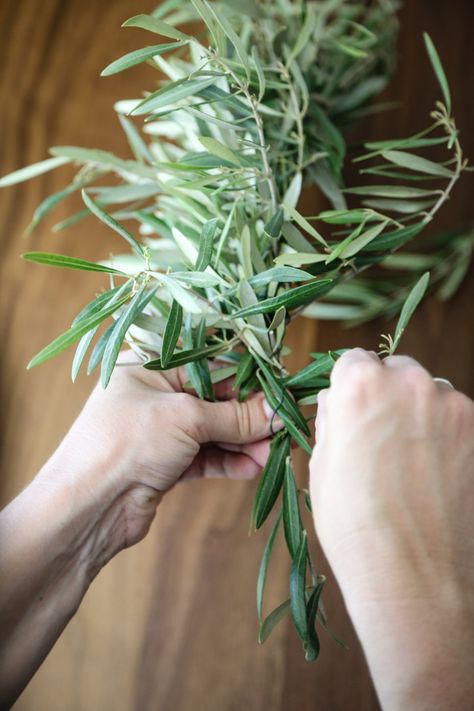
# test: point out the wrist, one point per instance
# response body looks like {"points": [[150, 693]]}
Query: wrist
{"points": [[419, 647]]}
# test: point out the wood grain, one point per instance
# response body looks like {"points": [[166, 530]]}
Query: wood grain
{"points": [[171, 624]]}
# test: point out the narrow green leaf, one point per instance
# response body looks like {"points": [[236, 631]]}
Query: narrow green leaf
{"points": [[262, 84], [403, 207], [104, 160], [206, 243], [272, 620], [291, 512], [412, 301], [394, 239], [172, 332], [112, 223], [417, 163], [271, 479], [276, 406], [298, 588], [74, 333], [153, 24], [300, 258], [81, 351], [438, 68], [274, 224], [304, 35], [31, 171], [61, 260], [123, 323], [102, 300], [290, 299], [262, 573], [171, 93], [137, 57], [305, 225], [99, 348], [216, 148], [279, 274], [363, 240], [312, 646], [187, 356], [391, 191], [245, 369], [306, 376], [282, 395], [232, 36], [139, 147]]}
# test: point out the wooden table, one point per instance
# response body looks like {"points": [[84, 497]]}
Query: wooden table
{"points": [[171, 624]]}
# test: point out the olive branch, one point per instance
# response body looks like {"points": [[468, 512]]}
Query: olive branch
{"points": [[252, 108]]}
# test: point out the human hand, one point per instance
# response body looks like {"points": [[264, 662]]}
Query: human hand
{"points": [[392, 480], [145, 433]]}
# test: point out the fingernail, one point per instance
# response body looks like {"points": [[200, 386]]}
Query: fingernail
{"points": [[276, 422]]}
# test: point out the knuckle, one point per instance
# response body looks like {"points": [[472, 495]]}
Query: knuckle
{"points": [[418, 381], [243, 419], [360, 377]]}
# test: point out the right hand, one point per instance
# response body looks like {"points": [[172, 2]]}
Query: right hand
{"points": [[392, 487]]}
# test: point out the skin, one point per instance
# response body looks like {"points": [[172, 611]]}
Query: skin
{"points": [[391, 481]]}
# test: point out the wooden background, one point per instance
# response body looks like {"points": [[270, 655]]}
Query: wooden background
{"points": [[171, 624]]}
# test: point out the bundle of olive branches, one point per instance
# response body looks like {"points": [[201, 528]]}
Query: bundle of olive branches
{"points": [[254, 106]]}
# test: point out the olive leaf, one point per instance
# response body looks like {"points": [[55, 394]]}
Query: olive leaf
{"points": [[262, 573], [172, 332], [271, 479]]}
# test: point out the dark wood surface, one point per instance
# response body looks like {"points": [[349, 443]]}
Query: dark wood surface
{"points": [[171, 625]]}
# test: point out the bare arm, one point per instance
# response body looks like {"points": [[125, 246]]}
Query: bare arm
{"points": [[98, 495], [392, 484]]}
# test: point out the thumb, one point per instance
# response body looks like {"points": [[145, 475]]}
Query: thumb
{"points": [[236, 422]]}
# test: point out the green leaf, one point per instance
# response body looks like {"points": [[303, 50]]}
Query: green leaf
{"points": [[206, 243], [123, 323], [262, 84], [391, 191], [112, 223], [274, 224], [417, 163], [103, 159], [74, 333], [305, 225], [187, 356], [394, 239], [298, 588], [306, 376], [299, 258], [282, 395], [61, 260], [271, 479], [363, 240], [81, 351], [412, 301], [99, 348], [278, 274], [291, 512], [276, 406], [101, 300], [312, 646], [137, 57], [291, 298], [31, 171], [304, 35], [172, 332], [245, 369], [262, 573], [216, 148], [404, 207], [171, 93], [438, 68], [270, 622], [139, 147], [153, 24], [231, 35]]}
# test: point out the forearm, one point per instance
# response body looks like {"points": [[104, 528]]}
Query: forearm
{"points": [[419, 653], [55, 537]]}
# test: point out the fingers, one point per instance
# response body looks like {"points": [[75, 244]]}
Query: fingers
{"points": [[321, 414], [234, 422], [401, 361], [215, 463], [355, 357], [258, 451]]}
